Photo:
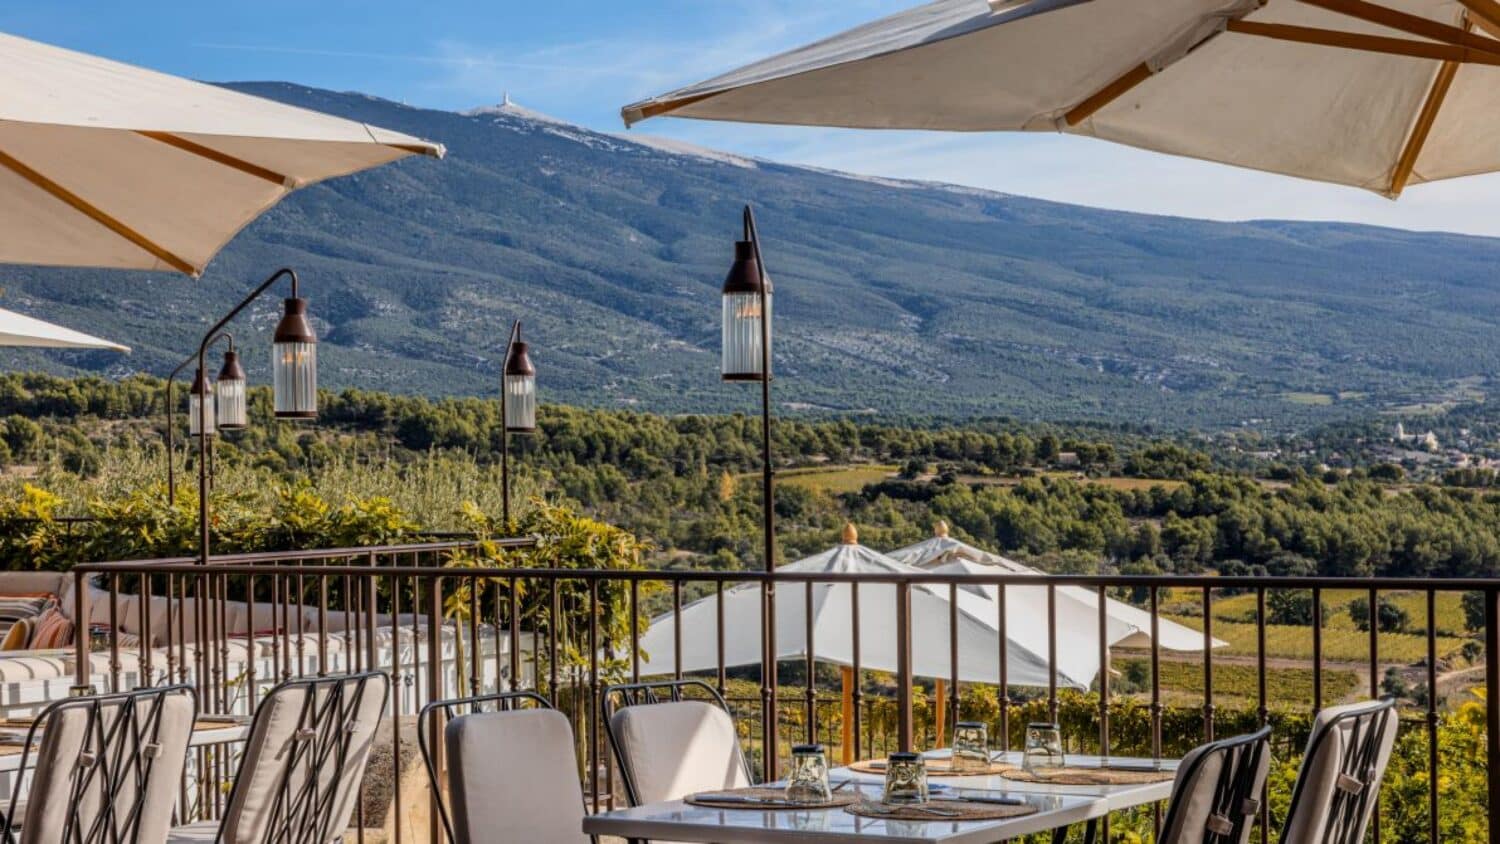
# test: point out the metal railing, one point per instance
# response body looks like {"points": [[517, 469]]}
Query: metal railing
{"points": [[566, 634]]}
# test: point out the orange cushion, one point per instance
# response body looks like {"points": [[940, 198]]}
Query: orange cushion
{"points": [[51, 629], [17, 637]]}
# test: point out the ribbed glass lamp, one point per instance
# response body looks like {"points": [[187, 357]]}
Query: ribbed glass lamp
{"points": [[742, 315], [199, 394], [229, 394], [520, 390], [294, 364]]}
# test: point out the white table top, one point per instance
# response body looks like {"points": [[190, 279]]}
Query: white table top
{"points": [[203, 737], [1058, 806]]}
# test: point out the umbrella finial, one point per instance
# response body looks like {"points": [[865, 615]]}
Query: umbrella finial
{"points": [[940, 530], [851, 534]]}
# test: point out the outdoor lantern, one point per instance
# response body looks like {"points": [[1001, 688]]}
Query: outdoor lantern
{"points": [[229, 394], [520, 389], [199, 394], [743, 307], [294, 364]]}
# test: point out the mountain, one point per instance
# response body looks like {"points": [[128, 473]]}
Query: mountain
{"points": [[892, 296]]}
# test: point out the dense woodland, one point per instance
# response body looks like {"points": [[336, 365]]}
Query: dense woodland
{"points": [[685, 484]]}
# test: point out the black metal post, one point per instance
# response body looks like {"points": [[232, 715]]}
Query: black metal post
{"points": [[768, 504], [203, 539], [171, 406]]}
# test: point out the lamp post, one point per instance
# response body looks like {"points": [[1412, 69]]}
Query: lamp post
{"points": [[517, 407], [192, 417], [294, 377], [747, 357]]}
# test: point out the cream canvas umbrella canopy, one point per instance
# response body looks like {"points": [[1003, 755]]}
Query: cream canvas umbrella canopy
{"points": [[833, 612], [107, 165], [1375, 94], [1077, 607], [22, 330]]}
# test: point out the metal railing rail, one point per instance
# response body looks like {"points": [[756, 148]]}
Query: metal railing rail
{"points": [[397, 589]]}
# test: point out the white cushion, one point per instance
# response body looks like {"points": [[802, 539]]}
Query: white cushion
{"points": [[64, 741], [1319, 775], [197, 833], [251, 810], [513, 777], [1194, 794], [676, 749]]}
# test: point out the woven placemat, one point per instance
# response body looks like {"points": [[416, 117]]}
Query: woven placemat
{"points": [[1090, 776], [941, 810], [775, 799], [935, 768]]}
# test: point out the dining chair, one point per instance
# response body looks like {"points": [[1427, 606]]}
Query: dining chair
{"points": [[300, 773], [512, 772], [1339, 782], [107, 768], [1216, 795], [669, 745]]}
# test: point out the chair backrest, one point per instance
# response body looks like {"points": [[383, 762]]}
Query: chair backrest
{"points": [[669, 745], [1336, 789], [108, 767], [303, 762], [512, 772], [1216, 796]]}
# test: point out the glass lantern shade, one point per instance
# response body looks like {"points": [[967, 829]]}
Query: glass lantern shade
{"points": [[294, 364], [743, 313], [229, 395], [198, 420], [520, 391]]}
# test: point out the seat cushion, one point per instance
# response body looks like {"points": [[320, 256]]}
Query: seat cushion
{"points": [[196, 833], [513, 777], [676, 749], [1317, 779], [1194, 792], [68, 737]]}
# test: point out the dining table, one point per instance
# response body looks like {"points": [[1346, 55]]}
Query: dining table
{"points": [[1058, 809], [208, 730]]}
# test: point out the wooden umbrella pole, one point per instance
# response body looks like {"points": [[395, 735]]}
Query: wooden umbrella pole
{"points": [[940, 712], [846, 752]]}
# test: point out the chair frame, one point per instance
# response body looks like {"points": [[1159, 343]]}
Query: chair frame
{"points": [[326, 729], [1232, 792], [122, 757], [1346, 814], [636, 694], [504, 702]]}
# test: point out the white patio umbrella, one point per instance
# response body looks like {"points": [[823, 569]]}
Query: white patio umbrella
{"points": [[1377, 95], [832, 609], [22, 330], [1077, 607], [107, 165]]}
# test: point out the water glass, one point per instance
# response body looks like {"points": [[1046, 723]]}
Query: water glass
{"points": [[1043, 747], [808, 780], [971, 746], [905, 779]]}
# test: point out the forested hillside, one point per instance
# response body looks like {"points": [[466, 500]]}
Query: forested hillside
{"points": [[896, 297], [1080, 499]]}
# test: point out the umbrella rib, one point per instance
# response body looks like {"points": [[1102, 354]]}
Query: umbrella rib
{"points": [[1366, 43], [223, 158], [1109, 93], [1487, 11], [1419, 133], [1408, 23], [96, 214]]}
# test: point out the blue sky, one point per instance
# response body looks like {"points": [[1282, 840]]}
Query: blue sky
{"points": [[582, 59]]}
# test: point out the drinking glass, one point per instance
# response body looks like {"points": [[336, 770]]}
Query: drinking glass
{"points": [[1043, 747], [808, 780], [971, 746], [905, 779]]}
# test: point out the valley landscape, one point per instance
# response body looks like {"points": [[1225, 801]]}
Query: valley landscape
{"points": [[902, 299]]}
